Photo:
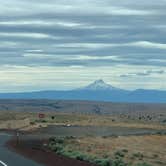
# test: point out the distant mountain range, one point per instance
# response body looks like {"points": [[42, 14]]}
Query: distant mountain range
{"points": [[97, 91]]}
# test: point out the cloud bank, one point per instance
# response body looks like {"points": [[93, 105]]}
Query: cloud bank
{"points": [[89, 35]]}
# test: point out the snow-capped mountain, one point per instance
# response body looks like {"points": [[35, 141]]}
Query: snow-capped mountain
{"points": [[99, 85], [96, 91]]}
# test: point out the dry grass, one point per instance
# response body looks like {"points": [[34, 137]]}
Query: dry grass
{"points": [[136, 149], [98, 120], [78, 119]]}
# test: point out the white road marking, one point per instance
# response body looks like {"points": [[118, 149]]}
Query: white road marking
{"points": [[1, 162]]}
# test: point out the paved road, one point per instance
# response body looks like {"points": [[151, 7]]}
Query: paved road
{"points": [[8, 158]]}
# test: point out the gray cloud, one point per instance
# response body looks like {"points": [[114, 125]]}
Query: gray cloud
{"points": [[145, 73], [64, 33]]}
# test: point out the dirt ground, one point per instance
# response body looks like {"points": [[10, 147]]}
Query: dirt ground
{"points": [[44, 157]]}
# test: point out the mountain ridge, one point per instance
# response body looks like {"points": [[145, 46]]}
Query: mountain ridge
{"points": [[96, 91]]}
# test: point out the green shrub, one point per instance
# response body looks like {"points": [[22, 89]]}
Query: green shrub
{"points": [[70, 137], [57, 140], [119, 154], [32, 123], [125, 150], [68, 154], [143, 164], [164, 121], [59, 147], [43, 121], [159, 132], [56, 148], [138, 155], [102, 162], [81, 157], [74, 154], [118, 162], [52, 117]]}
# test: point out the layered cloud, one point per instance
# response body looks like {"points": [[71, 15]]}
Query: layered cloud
{"points": [[144, 73], [92, 34]]}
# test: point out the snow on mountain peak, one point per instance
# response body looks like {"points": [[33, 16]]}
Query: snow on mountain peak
{"points": [[99, 81], [99, 85]]}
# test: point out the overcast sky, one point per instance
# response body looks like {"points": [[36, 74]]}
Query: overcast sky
{"points": [[65, 44]]}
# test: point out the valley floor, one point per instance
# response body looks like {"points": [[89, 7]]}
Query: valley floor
{"points": [[113, 137]]}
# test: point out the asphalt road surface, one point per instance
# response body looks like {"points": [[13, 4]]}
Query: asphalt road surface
{"points": [[8, 158]]}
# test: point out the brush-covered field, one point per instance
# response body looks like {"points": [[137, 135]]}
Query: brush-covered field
{"points": [[129, 137]]}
